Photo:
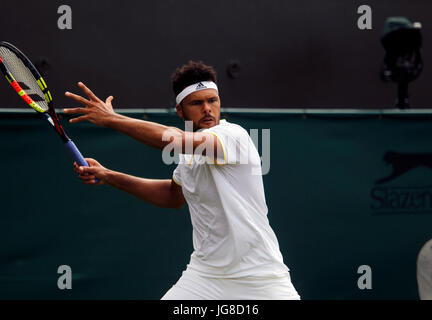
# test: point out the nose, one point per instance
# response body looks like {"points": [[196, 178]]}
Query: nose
{"points": [[206, 107]]}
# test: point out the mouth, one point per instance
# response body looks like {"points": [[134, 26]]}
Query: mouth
{"points": [[207, 120]]}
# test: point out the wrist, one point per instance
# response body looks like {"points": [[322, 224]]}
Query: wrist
{"points": [[109, 177], [111, 119]]}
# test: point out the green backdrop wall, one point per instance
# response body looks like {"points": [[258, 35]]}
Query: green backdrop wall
{"points": [[326, 203]]}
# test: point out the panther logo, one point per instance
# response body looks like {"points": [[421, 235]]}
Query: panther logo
{"points": [[403, 162]]}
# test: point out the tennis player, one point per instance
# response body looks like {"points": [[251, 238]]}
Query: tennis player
{"points": [[236, 253]]}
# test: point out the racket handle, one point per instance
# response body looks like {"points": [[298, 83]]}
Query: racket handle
{"points": [[76, 154]]}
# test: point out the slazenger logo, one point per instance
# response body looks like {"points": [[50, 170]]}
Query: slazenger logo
{"points": [[200, 86], [395, 200]]}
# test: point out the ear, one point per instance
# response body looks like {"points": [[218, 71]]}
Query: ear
{"points": [[179, 111]]}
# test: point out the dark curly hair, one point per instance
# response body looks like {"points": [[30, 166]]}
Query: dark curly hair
{"points": [[191, 73]]}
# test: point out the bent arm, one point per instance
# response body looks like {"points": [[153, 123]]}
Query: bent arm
{"points": [[150, 133], [161, 193]]}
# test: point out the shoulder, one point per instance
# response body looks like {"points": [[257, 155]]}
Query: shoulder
{"points": [[229, 128]]}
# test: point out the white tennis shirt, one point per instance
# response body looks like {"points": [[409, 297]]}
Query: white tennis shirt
{"points": [[232, 236]]}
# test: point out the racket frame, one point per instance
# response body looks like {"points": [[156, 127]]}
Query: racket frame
{"points": [[50, 115]]}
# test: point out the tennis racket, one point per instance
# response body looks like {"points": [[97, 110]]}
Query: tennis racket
{"points": [[26, 80]]}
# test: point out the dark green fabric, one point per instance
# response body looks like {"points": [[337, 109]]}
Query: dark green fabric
{"points": [[319, 194]]}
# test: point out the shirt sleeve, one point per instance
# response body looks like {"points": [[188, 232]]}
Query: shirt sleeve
{"points": [[176, 175], [234, 140]]}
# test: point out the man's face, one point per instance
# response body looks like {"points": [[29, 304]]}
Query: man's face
{"points": [[202, 107]]}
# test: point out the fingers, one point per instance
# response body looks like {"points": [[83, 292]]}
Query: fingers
{"points": [[88, 92], [109, 100], [87, 170], [78, 119], [87, 174], [77, 98], [89, 180], [75, 110], [76, 168], [86, 178], [92, 162], [81, 170]]}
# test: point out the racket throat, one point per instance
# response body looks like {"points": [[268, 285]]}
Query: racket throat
{"points": [[49, 119], [57, 127]]}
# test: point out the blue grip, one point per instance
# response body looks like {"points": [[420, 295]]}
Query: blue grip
{"points": [[76, 154]]}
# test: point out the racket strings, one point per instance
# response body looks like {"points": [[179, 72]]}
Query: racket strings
{"points": [[23, 76]]}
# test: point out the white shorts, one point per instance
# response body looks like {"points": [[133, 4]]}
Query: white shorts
{"points": [[192, 286]]}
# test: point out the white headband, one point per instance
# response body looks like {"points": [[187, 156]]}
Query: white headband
{"points": [[196, 87]]}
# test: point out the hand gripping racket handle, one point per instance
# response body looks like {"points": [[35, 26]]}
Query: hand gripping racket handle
{"points": [[76, 154]]}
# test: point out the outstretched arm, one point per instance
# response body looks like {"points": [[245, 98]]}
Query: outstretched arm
{"points": [[150, 133], [161, 193], [102, 114]]}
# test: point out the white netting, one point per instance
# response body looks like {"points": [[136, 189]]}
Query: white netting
{"points": [[23, 76]]}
